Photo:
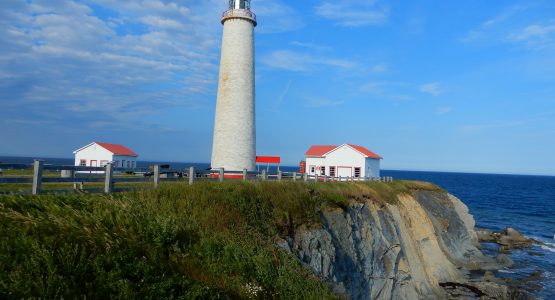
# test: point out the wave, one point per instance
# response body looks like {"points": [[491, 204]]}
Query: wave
{"points": [[547, 248]]}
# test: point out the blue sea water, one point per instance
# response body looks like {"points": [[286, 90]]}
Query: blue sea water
{"points": [[526, 203]]}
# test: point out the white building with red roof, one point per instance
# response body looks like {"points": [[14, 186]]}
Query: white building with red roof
{"points": [[97, 154], [346, 160]]}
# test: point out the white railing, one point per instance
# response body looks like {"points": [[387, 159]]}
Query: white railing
{"points": [[239, 13], [156, 176]]}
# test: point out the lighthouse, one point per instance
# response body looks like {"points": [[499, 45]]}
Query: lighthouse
{"points": [[234, 144]]}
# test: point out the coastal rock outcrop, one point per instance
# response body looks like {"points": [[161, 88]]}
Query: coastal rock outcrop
{"points": [[509, 239], [421, 247]]}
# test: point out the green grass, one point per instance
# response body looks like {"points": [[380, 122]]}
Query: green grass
{"points": [[54, 186], [28, 173], [210, 240], [48, 173]]}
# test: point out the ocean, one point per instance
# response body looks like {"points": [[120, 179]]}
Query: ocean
{"points": [[526, 203]]}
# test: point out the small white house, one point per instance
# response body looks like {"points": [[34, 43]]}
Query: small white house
{"points": [[98, 154], [342, 161]]}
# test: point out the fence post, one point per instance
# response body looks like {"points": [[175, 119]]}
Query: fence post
{"points": [[37, 176], [325, 178], [78, 186], [294, 176], [264, 175], [305, 177], [316, 178], [222, 173], [279, 175], [108, 183], [191, 175], [245, 174], [156, 176]]}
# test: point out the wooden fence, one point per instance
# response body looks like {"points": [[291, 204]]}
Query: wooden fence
{"points": [[79, 175]]}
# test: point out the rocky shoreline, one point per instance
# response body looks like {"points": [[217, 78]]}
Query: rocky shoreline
{"points": [[509, 239], [423, 247]]}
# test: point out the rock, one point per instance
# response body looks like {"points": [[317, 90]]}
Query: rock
{"points": [[486, 236], [372, 250], [282, 245], [503, 261], [514, 235], [509, 239]]}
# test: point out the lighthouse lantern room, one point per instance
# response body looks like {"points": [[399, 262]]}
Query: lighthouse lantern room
{"points": [[239, 4]]}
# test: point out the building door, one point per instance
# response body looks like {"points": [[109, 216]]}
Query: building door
{"points": [[344, 171], [93, 163]]}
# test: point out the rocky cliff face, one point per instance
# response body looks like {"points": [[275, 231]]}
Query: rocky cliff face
{"points": [[409, 250]]}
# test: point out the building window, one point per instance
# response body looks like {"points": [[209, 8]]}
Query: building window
{"points": [[311, 169], [83, 162], [357, 172], [323, 170], [332, 171]]}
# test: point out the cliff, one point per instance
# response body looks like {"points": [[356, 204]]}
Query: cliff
{"points": [[414, 248], [398, 240]]}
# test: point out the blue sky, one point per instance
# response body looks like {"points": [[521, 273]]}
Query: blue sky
{"points": [[429, 85]]}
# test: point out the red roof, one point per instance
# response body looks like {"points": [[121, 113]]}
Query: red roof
{"points": [[268, 159], [365, 151], [321, 150], [117, 149]]}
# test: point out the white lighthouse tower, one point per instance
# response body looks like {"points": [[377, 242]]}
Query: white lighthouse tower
{"points": [[234, 146]]}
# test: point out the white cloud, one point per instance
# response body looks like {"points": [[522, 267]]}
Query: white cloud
{"points": [[316, 102], [516, 25], [278, 16], [302, 62], [432, 88], [138, 59], [488, 29], [536, 35], [310, 46], [354, 13], [283, 93], [443, 110], [379, 68], [396, 91], [474, 128]]}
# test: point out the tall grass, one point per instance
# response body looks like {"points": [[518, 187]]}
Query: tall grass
{"points": [[209, 240]]}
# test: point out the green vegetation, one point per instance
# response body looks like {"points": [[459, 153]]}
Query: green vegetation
{"points": [[64, 186], [209, 240], [28, 173]]}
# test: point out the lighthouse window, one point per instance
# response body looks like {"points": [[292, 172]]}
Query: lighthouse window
{"points": [[232, 4]]}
